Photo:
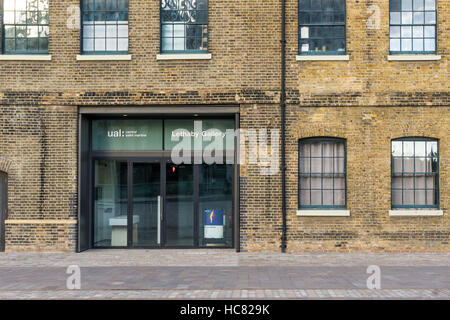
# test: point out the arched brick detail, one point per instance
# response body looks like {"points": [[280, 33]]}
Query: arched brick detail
{"points": [[5, 164]]}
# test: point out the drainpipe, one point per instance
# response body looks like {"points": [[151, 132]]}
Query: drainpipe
{"points": [[283, 123]]}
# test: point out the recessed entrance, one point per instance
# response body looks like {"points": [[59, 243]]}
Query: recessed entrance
{"points": [[156, 203], [142, 198]]}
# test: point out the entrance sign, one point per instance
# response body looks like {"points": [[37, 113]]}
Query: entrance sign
{"points": [[127, 135], [198, 134], [147, 134]]}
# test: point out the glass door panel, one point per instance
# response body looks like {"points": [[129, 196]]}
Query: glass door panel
{"points": [[179, 208], [215, 205], [110, 203], [146, 204]]}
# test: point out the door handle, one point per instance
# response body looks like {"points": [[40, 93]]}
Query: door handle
{"points": [[159, 220]]}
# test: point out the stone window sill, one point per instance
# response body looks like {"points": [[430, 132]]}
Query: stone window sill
{"points": [[25, 57], [323, 58], [416, 213], [323, 213], [414, 57], [184, 56], [104, 57]]}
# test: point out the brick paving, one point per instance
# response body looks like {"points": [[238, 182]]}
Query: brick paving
{"points": [[223, 274]]}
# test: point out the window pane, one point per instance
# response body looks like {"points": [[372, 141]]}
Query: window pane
{"points": [[122, 31], [395, 5], [418, 32], [304, 4], [100, 44], [10, 31], [406, 17], [396, 197], [418, 5], [88, 44], [305, 165], [431, 148], [395, 17], [316, 197], [43, 44], [408, 182], [408, 148], [304, 197], [417, 44], [339, 197], [8, 5], [21, 4], [339, 183], [408, 197], [406, 45], [430, 17], [429, 31], [431, 197], [406, 5], [328, 197], [396, 182], [406, 32], [397, 147], [8, 18], [395, 32], [408, 164], [397, 165], [430, 45], [305, 183], [395, 44], [430, 4], [10, 44], [328, 165], [418, 18], [111, 31], [420, 197], [316, 165], [419, 182], [122, 44], [316, 181], [111, 44]]}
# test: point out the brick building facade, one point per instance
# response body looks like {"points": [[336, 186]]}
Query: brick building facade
{"points": [[368, 99]]}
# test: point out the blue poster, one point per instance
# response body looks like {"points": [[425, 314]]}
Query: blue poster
{"points": [[214, 217]]}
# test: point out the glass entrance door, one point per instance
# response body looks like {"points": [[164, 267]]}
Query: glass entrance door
{"points": [[155, 203], [179, 207], [146, 204]]}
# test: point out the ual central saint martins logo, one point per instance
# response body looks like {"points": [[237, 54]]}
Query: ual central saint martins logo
{"points": [[126, 134]]}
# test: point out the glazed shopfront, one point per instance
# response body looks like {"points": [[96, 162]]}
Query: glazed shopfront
{"points": [[151, 181]]}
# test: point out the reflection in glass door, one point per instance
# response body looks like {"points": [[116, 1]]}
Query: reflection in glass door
{"points": [[179, 208], [146, 204], [215, 205], [110, 203]]}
